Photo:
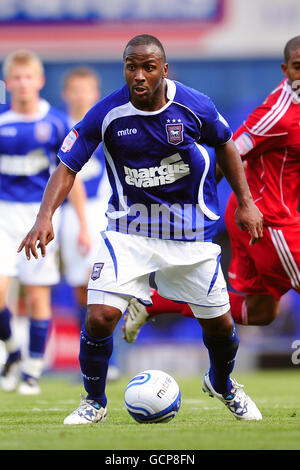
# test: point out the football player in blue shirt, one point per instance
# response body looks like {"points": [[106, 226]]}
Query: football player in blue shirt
{"points": [[31, 132], [162, 215]]}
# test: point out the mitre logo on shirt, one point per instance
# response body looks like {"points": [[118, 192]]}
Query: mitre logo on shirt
{"points": [[123, 132], [170, 169]]}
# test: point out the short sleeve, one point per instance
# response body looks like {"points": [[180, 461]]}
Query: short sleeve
{"points": [[264, 129], [81, 142], [215, 130]]}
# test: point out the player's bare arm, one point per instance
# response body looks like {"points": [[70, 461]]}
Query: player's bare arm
{"points": [[57, 189], [77, 198], [247, 216]]}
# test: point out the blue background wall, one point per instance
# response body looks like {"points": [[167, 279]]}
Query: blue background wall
{"points": [[236, 86]]}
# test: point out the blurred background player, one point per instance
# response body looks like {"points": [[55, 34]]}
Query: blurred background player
{"points": [[269, 143], [31, 132], [81, 90]]}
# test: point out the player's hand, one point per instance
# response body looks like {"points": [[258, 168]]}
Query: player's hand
{"points": [[37, 238], [84, 242], [250, 218]]}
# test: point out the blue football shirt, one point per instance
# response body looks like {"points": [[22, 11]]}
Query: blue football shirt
{"points": [[93, 174], [28, 152], [160, 164]]}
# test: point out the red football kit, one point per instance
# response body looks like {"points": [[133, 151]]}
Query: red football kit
{"points": [[269, 143]]}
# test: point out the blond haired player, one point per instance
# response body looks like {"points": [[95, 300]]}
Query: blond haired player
{"points": [[31, 131]]}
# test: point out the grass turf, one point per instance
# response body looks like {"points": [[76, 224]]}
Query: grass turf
{"points": [[203, 423]]}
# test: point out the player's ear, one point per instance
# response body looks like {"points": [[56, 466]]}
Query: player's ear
{"points": [[165, 72], [42, 81], [7, 84], [284, 69]]}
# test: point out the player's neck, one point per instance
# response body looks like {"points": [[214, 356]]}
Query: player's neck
{"points": [[25, 107], [78, 114]]}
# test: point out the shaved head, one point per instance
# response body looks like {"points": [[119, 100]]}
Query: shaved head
{"points": [[145, 40], [291, 46]]}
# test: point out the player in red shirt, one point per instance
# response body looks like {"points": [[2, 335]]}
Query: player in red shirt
{"points": [[269, 144]]}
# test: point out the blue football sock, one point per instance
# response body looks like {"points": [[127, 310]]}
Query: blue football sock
{"points": [[93, 358], [6, 335], [5, 328], [38, 335], [222, 352]]}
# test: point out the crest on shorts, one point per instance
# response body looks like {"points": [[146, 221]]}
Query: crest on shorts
{"points": [[175, 133], [97, 268]]}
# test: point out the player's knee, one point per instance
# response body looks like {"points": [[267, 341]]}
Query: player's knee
{"points": [[3, 293], [262, 310], [101, 320], [38, 307], [219, 327], [267, 317], [2, 299]]}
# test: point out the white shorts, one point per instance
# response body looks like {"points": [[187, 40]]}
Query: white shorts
{"points": [[15, 222], [187, 272], [77, 267]]}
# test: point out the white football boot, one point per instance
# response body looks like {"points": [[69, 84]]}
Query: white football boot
{"points": [[10, 375], [89, 411], [236, 400], [136, 317], [29, 386]]}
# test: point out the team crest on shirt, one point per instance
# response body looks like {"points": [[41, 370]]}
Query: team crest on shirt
{"points": [[69, 141], [42, 131], [97, 268], [175, 133]]}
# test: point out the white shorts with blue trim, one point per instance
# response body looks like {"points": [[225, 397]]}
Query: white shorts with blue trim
{"points": [[77, 266], [187, 272], [15, 222]]}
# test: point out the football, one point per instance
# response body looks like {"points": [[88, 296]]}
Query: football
{"points": [[152, 396]]}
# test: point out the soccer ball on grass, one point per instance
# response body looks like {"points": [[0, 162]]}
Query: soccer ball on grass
{"points": [[152, 396]]}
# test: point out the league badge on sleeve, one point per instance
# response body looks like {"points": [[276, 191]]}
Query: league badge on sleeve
{"points": [[244, 143], [69, 141]]}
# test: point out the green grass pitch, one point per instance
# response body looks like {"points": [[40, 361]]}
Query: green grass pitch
{"points": [[203, 423]]}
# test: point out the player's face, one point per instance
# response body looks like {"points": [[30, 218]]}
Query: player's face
{"points": [[292, 69], [144, 71], [81, 93], [24, 82]]}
